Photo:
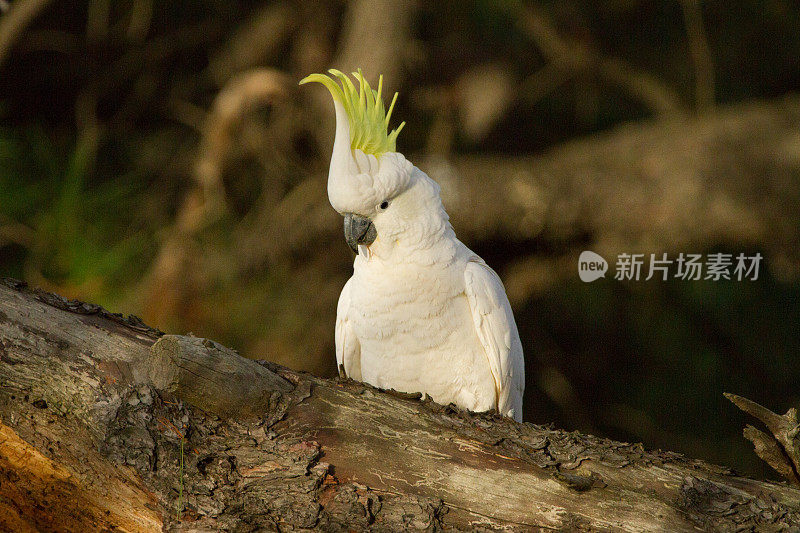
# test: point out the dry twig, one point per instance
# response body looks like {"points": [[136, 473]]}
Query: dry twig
{"points": [[781, 450]]}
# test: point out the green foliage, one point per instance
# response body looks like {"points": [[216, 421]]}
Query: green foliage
{"points": [[82, 229]]}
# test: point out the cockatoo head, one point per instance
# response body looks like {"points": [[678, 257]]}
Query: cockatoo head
{"points": [[381, 194]]}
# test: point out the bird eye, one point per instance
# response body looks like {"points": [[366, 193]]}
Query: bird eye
{"points": [[384, 205]]}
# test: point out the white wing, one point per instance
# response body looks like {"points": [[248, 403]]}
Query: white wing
{"points": [[348, 349], [497, 331]]}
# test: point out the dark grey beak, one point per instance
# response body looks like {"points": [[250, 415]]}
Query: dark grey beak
{"points": [[358, 230]]}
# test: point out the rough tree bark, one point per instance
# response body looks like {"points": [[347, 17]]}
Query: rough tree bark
{"points": [[98, 412]]}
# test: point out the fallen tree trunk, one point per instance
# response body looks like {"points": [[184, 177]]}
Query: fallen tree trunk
{"points": [[88, 441]]}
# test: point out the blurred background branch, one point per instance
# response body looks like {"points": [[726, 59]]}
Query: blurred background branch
{"points": [[15, 21], [158, 157], [701, 55], [579, 58]]}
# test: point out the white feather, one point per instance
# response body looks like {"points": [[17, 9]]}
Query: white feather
{"points": [[423, 313], [497, 331], [348, 350]]}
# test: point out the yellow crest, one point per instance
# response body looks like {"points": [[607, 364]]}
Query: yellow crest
{"points": [[369, 121]]}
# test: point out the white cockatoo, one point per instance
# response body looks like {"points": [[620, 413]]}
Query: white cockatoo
{"points": [[422, 313]]}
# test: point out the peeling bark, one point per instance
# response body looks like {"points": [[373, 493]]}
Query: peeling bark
{"points": [[89, 440]]}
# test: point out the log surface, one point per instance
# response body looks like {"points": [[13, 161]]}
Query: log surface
{"points": [[95, 422]]}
